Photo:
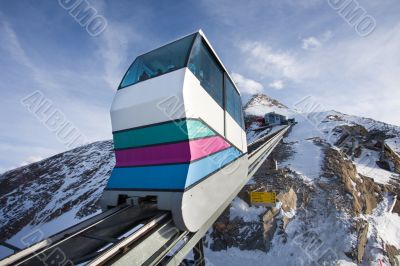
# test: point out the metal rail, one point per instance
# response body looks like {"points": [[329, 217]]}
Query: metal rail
{"points": [[174, 244], [82, 241], [128, 235], [263, 151]]}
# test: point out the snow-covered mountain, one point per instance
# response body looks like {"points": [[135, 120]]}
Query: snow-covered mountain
{"points": [[337, 195], [53, 194], [260, 104], [336, 186]]}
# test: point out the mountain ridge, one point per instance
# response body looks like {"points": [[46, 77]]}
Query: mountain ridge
{"points": [[316, 164]]}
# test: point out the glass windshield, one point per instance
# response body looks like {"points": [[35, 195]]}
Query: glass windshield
{"points": [[205, 67], [165, 59], [233, 101]]}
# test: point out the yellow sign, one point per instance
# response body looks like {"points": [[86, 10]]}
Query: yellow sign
{"points": [[263, 197]]}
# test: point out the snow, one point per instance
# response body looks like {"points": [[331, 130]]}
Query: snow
{"points": [[307, 157], [290, 214], [345, 263], [322, 124], [239, 208], [386, 223], [326, 234], [31, 234], [388, 226], [384, 228], [262, 105], [77, 176], [327, 240], [251, 181], [253, 136], [310, 235], [366, 165], [394, 144], [261, 110], [235, 256]]}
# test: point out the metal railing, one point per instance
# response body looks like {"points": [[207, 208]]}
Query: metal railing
{"points": [[127, 235]]}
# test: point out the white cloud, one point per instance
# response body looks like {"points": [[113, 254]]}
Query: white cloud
{"points": [[311, 43], [326, 36], [269, 63], [277, 84], [12, 44], [358, 75], [353, 75], [246, 85], [113, 49]]}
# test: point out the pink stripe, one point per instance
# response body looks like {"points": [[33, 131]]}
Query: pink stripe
{"points": [[170, 153]]}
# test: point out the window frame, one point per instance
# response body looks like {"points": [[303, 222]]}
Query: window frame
{"points": [[225, 75], [217, 62], [189, 52], [210, 53], [236, 101]]}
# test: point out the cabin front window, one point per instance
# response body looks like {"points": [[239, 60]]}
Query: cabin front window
{"points": [[204, 66], [165, 59]]}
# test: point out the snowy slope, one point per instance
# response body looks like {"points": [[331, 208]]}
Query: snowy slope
{"points": [[394, 144], [261, 104], [334, 196], [53, 194], [325, 231]]}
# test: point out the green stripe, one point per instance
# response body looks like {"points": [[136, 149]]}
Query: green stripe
{"points": [[158, 134]]}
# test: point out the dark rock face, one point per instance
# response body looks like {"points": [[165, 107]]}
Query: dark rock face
{"points": [[40, 192], [258, 235], [236, 233], [72, 183], [335, 200]]}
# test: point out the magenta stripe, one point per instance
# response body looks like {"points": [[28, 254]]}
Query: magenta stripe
{"points": [[170, 153]]}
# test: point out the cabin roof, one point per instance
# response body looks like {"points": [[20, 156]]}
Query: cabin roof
{"points": [[209, 45]]}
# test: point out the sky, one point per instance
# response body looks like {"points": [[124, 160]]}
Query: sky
{"points": [[287, 49]]}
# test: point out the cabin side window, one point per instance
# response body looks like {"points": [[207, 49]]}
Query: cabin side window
{"points": [[233, 102], [165, 59], [204, 66]]}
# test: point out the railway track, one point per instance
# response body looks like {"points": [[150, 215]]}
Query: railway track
{"points": [[129, 235]]}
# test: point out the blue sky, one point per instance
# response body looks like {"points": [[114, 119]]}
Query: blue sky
{"points": [[288, 49]]}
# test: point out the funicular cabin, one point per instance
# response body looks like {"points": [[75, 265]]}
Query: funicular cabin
{"points": [[178, 133]]}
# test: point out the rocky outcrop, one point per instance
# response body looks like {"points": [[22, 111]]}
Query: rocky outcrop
{"points": [[393, 157], [228, 233], [365, 196], [320, 217], [393, 254], [362, 227], [276, 219], [41, 192]]}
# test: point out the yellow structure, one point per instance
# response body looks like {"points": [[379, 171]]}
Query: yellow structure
{"points": [[257, 197]]}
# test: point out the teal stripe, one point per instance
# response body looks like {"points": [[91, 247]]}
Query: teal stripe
{"points": [[162, 133]]}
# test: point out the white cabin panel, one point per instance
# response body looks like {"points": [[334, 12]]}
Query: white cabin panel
{"points": [[151, 101], [233, 131], [244, 141], [199, 104]]}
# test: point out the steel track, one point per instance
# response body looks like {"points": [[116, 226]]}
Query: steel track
{"points": [[131, 236]]}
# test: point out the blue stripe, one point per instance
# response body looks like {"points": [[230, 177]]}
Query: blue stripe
{"points": [[177, 176]]}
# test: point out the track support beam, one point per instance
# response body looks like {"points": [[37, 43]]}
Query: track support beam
{"points": [[198, 253]]}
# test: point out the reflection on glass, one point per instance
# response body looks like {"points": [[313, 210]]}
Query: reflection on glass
{"points": [[160, 61], [204, 66]]}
